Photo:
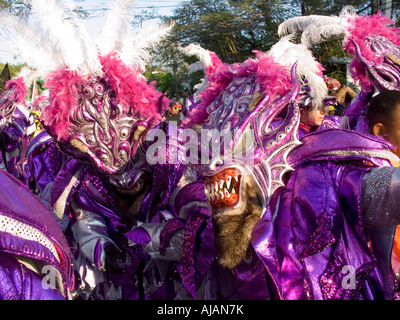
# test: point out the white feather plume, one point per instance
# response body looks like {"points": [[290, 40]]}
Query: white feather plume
{"points": [[292, 25], [55, 37], [30, 44], [135, 49], [315, 34], [287, 53], [317, 28], [198, 65], [197, 50], [91, 62], [118, 25], [61, 32]]}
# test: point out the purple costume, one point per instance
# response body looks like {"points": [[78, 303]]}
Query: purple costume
{"points": [[16, 125], [241, 100], [318, 236], [367, 195], [116, 209], [35, 261], [320, 222]]}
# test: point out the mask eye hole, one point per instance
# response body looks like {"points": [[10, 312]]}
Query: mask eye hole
{"points": [[394, 59], [385, 75], [245, 142]]}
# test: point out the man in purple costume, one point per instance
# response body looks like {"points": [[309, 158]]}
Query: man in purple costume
{"points": [[256, 125], [125, 218], [35, 260], [337, 214], [16, 126], [315, 238]]}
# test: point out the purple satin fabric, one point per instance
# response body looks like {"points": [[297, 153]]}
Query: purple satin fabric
{"points": [[357, 107], [20, 283], [319, 232], [18, 203], [314, 225], [16, 143], [64, 176], [44, 160], [329, 122], [198, 247], [316, 145], [138, 235], [264, 244]]}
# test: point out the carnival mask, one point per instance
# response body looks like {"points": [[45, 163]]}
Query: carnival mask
{"points": [[103, 119], [256, 135], [102, 130], [386, 74]]}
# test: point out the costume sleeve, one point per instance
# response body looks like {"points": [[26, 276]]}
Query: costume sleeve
{"points": [[149, 234], [380, 197], [91, 233], [20, 283]]}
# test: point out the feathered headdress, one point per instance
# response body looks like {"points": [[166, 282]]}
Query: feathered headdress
{"points": [[373, 40], [272, 73], [99, 99]]}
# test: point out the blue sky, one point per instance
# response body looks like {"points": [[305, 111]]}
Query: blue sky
{"points": [[98, 11], [165, 7]]}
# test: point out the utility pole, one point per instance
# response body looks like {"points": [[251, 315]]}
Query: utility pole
{"points": [[375, 6], [386, 8]]}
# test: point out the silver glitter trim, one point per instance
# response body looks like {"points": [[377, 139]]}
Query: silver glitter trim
{"points": [[383, 154], [24, 231], [377, 204]]}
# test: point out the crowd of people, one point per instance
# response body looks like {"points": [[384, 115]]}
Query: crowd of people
{"points": [[299, 202]]}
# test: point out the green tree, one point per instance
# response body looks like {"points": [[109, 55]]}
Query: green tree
{"points": [[17, 7], [232, 29], [14, 69]]}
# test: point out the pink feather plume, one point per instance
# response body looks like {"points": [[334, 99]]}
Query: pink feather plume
{"points": [[273, 78], [131, 90], [20, 90], [361, 27]]}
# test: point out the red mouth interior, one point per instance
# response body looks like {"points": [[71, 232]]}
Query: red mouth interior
{"points": [[222, 189]]}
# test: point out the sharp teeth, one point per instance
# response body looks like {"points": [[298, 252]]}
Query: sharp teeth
{"points": [[226, 192], [229, 182], [233, 191], [236, 178], [221, 194], [215, 186], [206, 189], [221, 183]]}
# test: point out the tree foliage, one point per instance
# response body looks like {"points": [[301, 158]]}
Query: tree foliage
{"points": [[232, 29]]}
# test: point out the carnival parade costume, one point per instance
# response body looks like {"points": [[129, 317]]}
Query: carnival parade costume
{"points": [[323, 220], [257, 101], [36, 261], [374, 44], [116, 209], [273, 215], [16, 126]]}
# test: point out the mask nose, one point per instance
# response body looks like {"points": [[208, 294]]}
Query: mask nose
{"points": [[216, 164]]}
